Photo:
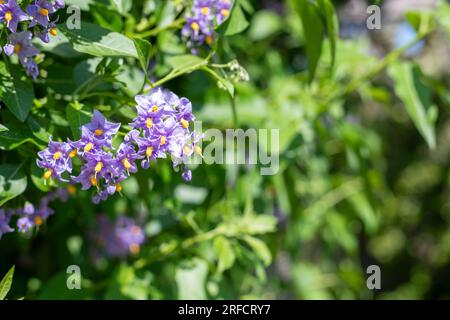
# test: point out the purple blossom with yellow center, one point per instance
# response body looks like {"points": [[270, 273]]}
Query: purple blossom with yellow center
{"points": [[20, 44], [149, 150], [222, 10], [151, 110], [24, 224], [101, 129], [125, 158], [105, 168], [199, 27], [98, 166], [40, 12], [49, 30], [12, 14]]}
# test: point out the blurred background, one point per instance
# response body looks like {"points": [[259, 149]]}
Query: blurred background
{"points": [[364, 172]]}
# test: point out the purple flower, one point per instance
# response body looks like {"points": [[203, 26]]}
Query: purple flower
{"points": [[40, 11], [223, 9], [184, 114], [24, 224], [119, 238], [151, 110], [20, 44], [12, 14], [31, 68], [101, 129], [45, 33], [5, 217], [149, 150], [187, 175], [88, 142], [59, 4], [126, 157], [99, 165], [56, 159], [199, 28], [28, 209]]}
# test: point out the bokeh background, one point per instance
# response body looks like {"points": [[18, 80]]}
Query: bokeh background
{"points": [[364, 172]]}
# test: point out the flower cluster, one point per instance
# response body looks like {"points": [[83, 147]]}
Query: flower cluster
{"points": [[160, 129], [30, 216], [117, 239], [37, 14], [199, 28]]}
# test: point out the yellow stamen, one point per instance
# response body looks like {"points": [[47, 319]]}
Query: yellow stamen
{"points": [[8, 16], [17, 48], [98, 167], [163, 141], [88, 147], [98, 132], [149, 123], [94, 181], [57, 155], [225, 12], [187, 150], [43, 11], [209, 40], [205, 11], [184, 123], [154, 108], [118, 187], [197, 150], [71, 189], [53, 32], [38, 220], [195, 26], [73, 153], [149, 152], [134, 248], [48, 174], [126, 163]]}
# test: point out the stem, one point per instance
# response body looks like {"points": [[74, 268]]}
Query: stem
{"points": [[185, 244], [150, 33]]}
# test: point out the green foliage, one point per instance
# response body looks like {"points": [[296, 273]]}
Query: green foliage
{"points": [[364, 156], [5, 284]]}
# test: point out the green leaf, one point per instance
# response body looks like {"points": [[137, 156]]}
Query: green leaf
{"points": [[416, 97], [332, 26], [236, 22], [260, 248], [13, 182], [265, 24], [313, 31], [77, 117], [122, 6], [106, 17], [97, 41], [190, 277], [5, 284], [16, 91], [55, 288], [143, 49], [365, 211], [224, 252]]}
